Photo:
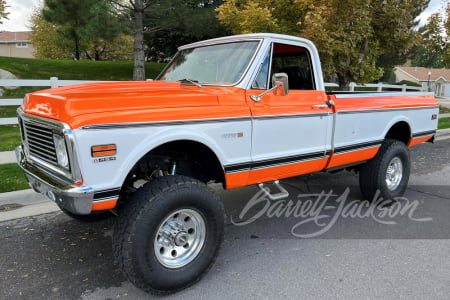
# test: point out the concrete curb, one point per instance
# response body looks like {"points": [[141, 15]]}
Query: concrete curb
{"points": [[7, 157], [443, 134], [29, 211], [30, 204]]}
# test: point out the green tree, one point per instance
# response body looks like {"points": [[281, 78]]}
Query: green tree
{"points": [[166, 24], [50, 42], [434, 52], [277, 16], [132, 15], [397, 32], [174, 23], [48, 39], [121, 48], [82, 20], [3, 12], [350, 34], [424, 57]]}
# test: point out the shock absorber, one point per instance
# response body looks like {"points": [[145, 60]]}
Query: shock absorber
{"points": [[174, 168]]}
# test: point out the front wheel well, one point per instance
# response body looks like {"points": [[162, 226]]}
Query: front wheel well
{"points": [[400, 132], [183, 157]]}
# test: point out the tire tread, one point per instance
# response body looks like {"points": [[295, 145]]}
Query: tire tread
{"points": [[131, 214]]}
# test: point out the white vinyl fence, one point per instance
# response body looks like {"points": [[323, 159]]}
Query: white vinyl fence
{"points": [[52, 82], [380, 87], [55, 82]]}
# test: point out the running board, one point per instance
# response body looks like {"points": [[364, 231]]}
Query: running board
{"points": [[282, 192]]}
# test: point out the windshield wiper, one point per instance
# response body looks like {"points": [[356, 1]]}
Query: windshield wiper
{"points": [[194, 82]]}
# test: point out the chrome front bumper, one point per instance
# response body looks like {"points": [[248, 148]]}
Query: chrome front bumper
{"points": [[75, 199]]}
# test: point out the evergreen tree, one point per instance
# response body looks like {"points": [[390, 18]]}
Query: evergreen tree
{"points": [[82, 20], [181, 23]]}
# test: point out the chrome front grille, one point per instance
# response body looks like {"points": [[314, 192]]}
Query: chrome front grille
{"points": [[39, 140], [39, 148]]}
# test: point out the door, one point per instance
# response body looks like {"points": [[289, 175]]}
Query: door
{"points": [[291, 133]]}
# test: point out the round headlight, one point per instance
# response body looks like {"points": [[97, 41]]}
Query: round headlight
{"points": [[61, 151]]}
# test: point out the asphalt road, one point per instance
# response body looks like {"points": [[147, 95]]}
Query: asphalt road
{"points": [[396, 253]]}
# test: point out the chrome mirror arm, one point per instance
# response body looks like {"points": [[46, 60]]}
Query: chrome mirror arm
{"points": [[258, 98]]}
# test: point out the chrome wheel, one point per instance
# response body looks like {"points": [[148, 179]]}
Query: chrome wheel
{"points": [[394, 173], [180, 238]]}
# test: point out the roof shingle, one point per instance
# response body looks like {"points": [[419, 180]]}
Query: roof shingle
{"points": [[19, 36], [422, 73]]}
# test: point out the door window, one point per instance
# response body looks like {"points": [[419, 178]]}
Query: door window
{"points": [[295, 61]]}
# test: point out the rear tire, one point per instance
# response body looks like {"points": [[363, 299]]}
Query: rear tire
{"points": [[387, 173], [169, 234]]}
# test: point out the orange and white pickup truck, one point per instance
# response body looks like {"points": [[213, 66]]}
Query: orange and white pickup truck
{"points": [[239, 110]]}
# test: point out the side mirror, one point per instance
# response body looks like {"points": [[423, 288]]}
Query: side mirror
{"points": [[279, 84], [281, 79]]}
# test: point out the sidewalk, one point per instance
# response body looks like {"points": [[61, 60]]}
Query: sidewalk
{"points": [[7, 157], [445, 102], [26, 203]]}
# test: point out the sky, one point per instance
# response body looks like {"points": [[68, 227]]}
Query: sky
{"points": [[21, 11]]}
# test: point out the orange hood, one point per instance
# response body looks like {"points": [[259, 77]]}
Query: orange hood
{"points": [[77, 104]]}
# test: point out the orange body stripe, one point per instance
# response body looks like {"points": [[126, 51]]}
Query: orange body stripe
{"points": [[236, 180], [241, 179], [274, 173], [352, 157], [416, 141], [383, 102]]}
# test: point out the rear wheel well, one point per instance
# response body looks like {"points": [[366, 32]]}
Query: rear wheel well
{"points": [[400, 132], [184, 157]]}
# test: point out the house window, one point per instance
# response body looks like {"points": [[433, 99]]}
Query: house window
{"points": [[22, 45]]}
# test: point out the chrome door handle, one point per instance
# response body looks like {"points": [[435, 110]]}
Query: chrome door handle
{"points": [[328, 104]]}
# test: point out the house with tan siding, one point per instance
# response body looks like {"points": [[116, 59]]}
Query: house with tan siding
{"points": [[16, 44], [433, 80]]}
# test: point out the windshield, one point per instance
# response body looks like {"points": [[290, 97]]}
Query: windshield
{"points": [[215, 64]]}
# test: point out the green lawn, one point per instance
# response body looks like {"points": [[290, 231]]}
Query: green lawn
{"points": [[7, 111], [9, 137], [26, 68], [20, 92], [444, 123], [12, 178], [444, 110]]}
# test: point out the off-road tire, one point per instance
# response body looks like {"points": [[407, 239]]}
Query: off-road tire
{"points": [[373, 175], [138, 227]]}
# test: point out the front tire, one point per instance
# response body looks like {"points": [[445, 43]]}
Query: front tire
{"points": [[169, 234], [387, 173]]}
